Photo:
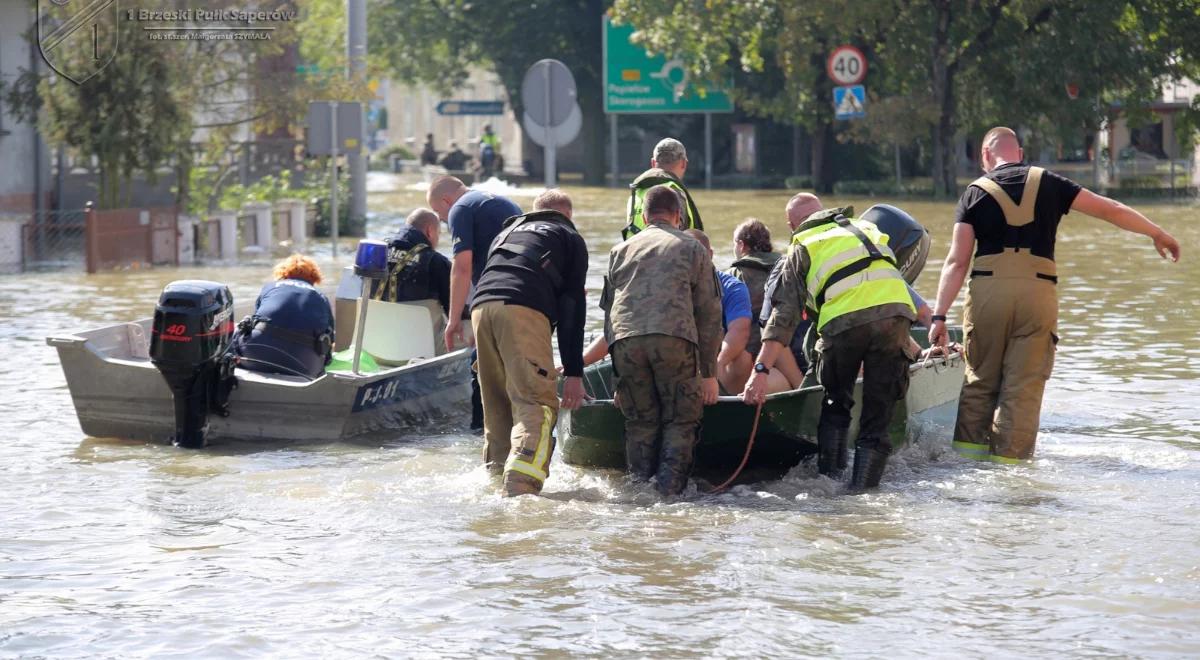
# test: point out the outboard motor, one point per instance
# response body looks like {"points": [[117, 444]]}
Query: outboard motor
{"points": [[908, 240], [193, 327]]}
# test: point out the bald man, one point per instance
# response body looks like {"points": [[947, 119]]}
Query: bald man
{"points": [[475, 219], [1010, 217]]}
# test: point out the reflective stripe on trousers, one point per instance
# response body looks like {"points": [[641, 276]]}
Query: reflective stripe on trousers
{"points": [[538, 468]]}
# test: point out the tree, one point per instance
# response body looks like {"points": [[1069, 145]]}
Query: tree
{"points": [[775, 50], [143, 110], [436, 41]]}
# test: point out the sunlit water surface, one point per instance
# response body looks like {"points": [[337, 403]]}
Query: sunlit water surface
{"points": [[400, 546]]}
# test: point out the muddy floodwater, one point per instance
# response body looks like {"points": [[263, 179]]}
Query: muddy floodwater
{"points": [[399, 546]]}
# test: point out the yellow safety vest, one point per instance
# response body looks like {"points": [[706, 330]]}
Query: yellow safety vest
{"points": [[637, 197], [845, 274]]}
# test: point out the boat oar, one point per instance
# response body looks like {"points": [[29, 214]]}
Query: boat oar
{"points": [[746, 456]]}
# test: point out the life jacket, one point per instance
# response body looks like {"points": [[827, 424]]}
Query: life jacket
{"points": [[529, 258], [637, 195], [1012, 262], [409, 257], [851, 267]]}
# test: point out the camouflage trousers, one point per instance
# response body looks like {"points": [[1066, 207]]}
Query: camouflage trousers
{"points": [[517, 383], [658, 391]]}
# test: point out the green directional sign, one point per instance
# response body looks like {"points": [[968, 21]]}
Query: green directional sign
{"points": [[636, 83]]}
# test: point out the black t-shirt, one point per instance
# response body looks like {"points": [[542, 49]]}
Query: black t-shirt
{"points": [[992, 233], [512, 279]]}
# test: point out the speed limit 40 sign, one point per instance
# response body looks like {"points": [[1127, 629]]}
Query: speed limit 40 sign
{"points": [[846, 66]]}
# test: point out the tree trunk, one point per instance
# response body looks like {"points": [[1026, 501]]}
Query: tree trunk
{"points": [[821, 141], [593, 133], [945, 182]]}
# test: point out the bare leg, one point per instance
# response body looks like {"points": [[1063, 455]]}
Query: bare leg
{"points": [[787, 367]]}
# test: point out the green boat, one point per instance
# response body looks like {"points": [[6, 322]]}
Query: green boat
{"points": [[593, 436]]}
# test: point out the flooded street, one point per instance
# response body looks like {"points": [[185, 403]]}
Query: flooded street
{"points": [[400, 546]]}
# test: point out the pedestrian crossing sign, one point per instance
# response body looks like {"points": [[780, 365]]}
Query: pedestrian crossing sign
{"points": [[849, 102]]}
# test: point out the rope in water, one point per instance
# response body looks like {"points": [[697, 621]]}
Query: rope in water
{"points": [[746, 456]]}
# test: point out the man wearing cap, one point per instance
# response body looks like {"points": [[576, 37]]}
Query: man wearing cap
{"points": [[667, 166]]}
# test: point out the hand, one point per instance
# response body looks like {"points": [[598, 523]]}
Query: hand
{"points": [[938, 335], [756, 390], [710, 390], [573, 394], [1166, 245], [453, 334]]}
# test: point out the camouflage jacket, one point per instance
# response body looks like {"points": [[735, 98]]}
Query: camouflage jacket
{"points": [[753, 269], [661, 281]]}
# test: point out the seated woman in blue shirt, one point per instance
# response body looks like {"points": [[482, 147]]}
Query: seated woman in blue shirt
{"points": [[291, 331]]}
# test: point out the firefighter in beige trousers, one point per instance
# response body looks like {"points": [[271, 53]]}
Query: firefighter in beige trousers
{"points": [[1012, 214], [533, 281]]}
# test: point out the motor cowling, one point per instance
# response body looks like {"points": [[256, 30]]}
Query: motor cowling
{"points": [[193, 327]]}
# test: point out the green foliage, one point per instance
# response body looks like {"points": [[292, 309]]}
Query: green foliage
{"points": [[382, 159], [798, 183]]}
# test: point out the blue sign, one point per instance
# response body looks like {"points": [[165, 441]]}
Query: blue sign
{"points": [[470, 108], [849, 102]]}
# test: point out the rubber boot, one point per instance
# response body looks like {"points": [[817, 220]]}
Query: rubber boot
{"points": [[832, 453], [641, 450], [869, 462], [677, 457], [476, 404], [516, 484]]}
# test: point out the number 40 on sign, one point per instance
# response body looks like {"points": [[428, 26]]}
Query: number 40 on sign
{"points": [[846, 65]]}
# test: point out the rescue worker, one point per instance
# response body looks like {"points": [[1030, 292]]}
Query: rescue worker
{"points": [[1010, 216], [489, 150], [291, 330], [417, 272], [798, 208], [843, 270], [475, 218], [662, 322], [534, 280], [667, 166]]}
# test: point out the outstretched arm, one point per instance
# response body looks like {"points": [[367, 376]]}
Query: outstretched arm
{"points": [[1110, 210], [954, 271]]}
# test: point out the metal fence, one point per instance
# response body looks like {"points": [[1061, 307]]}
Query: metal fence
{"points": [[53, 240]]}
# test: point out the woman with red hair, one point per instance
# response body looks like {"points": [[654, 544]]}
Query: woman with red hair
{"points": [[291, 331]]}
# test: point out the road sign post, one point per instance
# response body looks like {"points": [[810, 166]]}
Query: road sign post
{"points": [[548, 91], [333, 129]]}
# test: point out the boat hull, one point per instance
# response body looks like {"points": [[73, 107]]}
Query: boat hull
{"points": [[593, 436], [117, 392]]}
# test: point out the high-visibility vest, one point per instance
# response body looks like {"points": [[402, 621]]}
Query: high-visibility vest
{"points": [[851, 268], [637, 197]]}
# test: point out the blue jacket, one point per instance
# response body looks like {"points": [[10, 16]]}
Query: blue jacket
{"points": [[294, 331]]}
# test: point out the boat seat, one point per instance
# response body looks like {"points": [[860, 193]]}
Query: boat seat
{"points": [[395, 333]]}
